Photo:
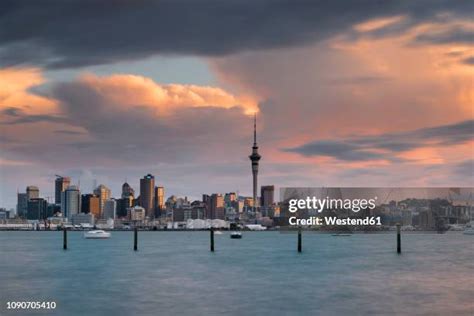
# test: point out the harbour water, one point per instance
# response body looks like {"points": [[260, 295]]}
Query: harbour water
{"points": [[174, 273]]}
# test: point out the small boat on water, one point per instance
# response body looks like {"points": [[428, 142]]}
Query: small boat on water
{"points": [[469, 229], [96, 234], [342, 235], [218, 232], [236, 235]]}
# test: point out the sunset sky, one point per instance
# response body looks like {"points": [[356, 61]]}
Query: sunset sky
{"points": [[347, 93]]}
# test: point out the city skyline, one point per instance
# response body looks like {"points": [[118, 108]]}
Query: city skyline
{"points": [[346, 94], [150, 196]]}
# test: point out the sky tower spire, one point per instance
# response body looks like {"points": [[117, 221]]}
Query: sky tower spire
{"points": [[255, 158], [255, 129]]}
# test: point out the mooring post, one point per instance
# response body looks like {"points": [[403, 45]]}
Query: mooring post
{"points": [[64, 238], [135, 239], [299, 239], [212, 239], [399, 239]]}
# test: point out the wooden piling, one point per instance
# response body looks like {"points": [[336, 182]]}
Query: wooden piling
{"points": [[64, 238], [135, 239], [399, 239], [212, 239], [299, 239]]}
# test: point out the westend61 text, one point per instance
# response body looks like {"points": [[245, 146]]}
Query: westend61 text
{"points": [[335, 221]]}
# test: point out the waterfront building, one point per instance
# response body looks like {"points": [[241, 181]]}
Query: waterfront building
{"points": [[110, 207], [136, 213], [4, 214], [255, 158], [22, 204], [185, 212], [60, 184], [90, 203], [37, 209], [71, 201], [104, 194], [32, 192], [81, 219], [147, 194]]}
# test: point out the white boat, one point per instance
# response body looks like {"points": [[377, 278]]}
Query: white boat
{"points": [[469, 229], [217, 232], [96, 234], [255, 227], [236, 235]]}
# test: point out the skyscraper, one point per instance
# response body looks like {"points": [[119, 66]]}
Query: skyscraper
{"points": [[32, 192], [267, 193], [110, 208], [104, 194], [60, 184], [216, 206], [255, 158], [90, 203], [159, 200], [71, 201], [147, 194], [22, 204], [127, 191], [37, 209], [123, 205]]}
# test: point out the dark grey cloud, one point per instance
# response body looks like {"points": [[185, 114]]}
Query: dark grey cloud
{"points": [[383, 146], [68, 132], [359, 80], [458, 35], [339, 149], [63, 34], [465, 168], [17, 116], [469, 61]]}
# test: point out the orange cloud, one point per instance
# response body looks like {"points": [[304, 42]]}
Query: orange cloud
{"points": [[132, 90], [14, 85]]}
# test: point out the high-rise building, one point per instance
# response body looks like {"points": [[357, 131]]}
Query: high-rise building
{"points": [[60, 184], [267, 193], [255, 158], [123, 205], [147, 194], [127, 191], [229, 198], [71, 201], [90, 203], [216, 206], [37, 209], [104, 194], [110, 207], [22, 204], [159, 200], [32, 192]]}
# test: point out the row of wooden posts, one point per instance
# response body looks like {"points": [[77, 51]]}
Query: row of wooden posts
{"points": [[300, 247]]}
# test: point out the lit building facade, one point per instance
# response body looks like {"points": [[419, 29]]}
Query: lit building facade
{"points": [[147, 194]]}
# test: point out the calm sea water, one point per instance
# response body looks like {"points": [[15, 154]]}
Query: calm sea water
{"points": [[173, 273]]}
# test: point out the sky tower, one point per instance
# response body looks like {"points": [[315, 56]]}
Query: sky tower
{"points": [[254, 158]]}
